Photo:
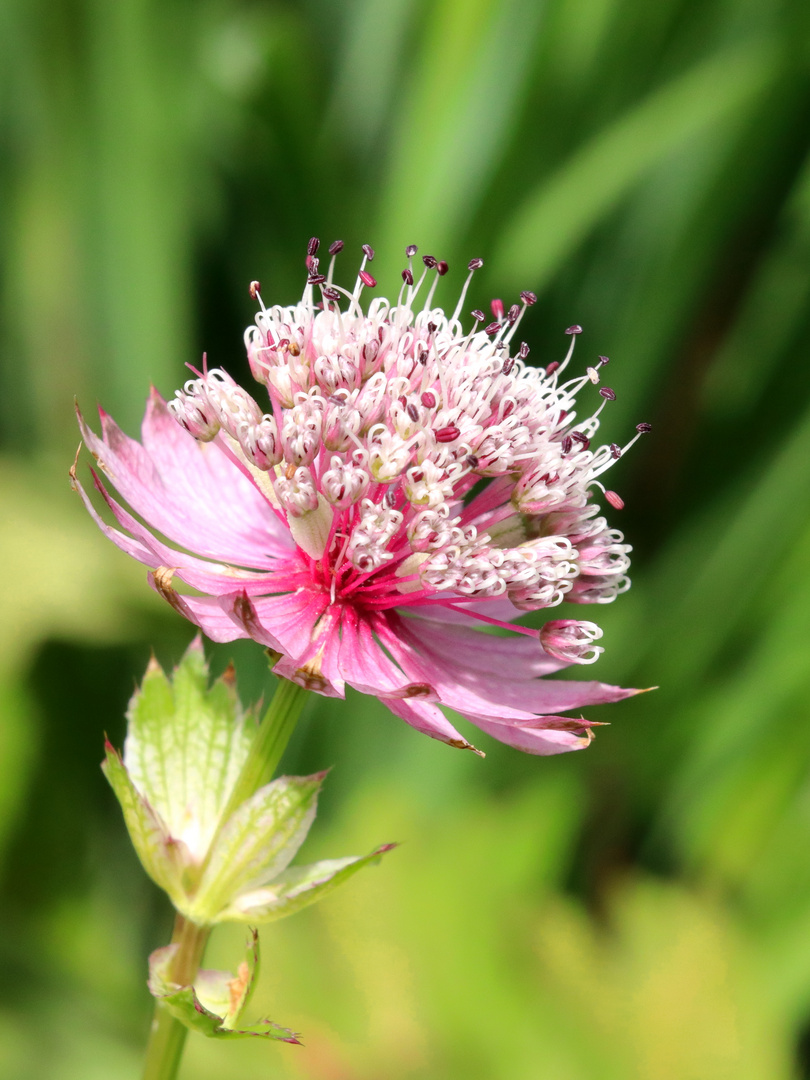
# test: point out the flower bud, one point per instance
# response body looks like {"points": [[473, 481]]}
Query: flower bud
{"points": [[571, 641]]}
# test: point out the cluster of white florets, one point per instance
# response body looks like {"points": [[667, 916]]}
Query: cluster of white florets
{"points": [[431, 455]]}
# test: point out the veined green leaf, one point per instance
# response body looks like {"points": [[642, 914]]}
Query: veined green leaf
{"points": [[298, 887], [256, 843], [186, 745], [161, 855]]}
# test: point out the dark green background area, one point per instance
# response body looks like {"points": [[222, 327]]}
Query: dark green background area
{"points": [[640, 911]]}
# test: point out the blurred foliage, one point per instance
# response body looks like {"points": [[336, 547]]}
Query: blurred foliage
{"points": [[638, 911]]}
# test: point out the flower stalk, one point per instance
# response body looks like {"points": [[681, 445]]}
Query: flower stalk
{"points": [[167, 1036], [269, 743]]}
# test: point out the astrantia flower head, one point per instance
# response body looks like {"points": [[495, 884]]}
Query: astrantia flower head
{"points": [[399, 483]]}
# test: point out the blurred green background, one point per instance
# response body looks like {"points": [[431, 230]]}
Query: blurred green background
{"points": [[640, 911]]}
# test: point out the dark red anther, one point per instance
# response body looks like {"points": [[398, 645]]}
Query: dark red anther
{"points": [[552, 367], [432, 328], [407, 277], [497, 308], [312, 264], [508, 409], [403, 401], [422, 355], [430, 261], [493, 328], [428, 399], [441, 268], [331, 294], [368, 251], [413, 412], [313, 245], [475, 264], [390, 499], [604, 360], [566, 444], [411, 250], [643, 428], [616, 501], [255, 289], [607, 393], [316, 279], [479, 316], [528, 298], [512, 314], [582, 439], [615, 451], [523, 351], [335, 400], [508, 364], [447, 434], [367, 279], [575, 329], [472, 461], [336, 247]]}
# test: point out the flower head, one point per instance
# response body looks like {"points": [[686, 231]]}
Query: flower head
{"points": [[399, 484]]}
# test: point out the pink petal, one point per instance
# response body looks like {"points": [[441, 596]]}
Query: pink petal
{"points": [[533, 740], [203, 611], [429, 719], [213, 509], [365, 665], [318, 668], [214, 578], [284, 623], [514, 656]]}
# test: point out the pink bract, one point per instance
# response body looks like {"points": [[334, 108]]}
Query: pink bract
{"points": [[408, 485]]}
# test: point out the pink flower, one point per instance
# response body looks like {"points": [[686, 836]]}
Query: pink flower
{"points": [[408, 484]]}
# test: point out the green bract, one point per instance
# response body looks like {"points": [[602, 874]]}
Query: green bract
{"points": [[217, 1000], [186, 744]]}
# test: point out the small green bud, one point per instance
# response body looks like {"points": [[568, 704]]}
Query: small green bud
{"points": [[185, 747]]}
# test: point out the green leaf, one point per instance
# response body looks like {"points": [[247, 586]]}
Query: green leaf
{"points": [[198, 1006], [299, 887], [256, 843], [163, 857], [471, 64], [186, 745], [561, 210]]}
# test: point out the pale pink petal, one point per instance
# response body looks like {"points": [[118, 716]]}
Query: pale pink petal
{"points": [[206, 612], [468, 685], [532, 739], [203, 474], [213, 578], [225, 518], [427, 718], [318, 666], [132, 547], [515, 656], [365, 665], [285, 622]]}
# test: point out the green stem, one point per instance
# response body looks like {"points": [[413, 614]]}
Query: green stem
{"points": [[278, 724], [168, 1035]]}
